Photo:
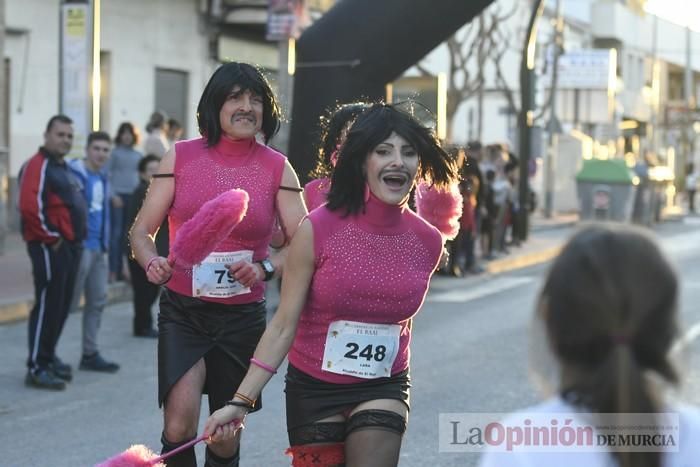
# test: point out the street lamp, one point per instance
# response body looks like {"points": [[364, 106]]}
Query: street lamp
{"points": [[526, 117]]}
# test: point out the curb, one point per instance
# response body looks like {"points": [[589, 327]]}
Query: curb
{"points": [[498, 266], [553, 226], [19, 309]]}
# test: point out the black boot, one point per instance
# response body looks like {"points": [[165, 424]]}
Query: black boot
{"points": [[185, 458], [212, 460]]}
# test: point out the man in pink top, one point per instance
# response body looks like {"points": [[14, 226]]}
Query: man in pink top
{"points": [[211, 319], [358, 271]]}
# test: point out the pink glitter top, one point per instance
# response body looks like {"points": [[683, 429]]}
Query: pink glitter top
{"points": [[374, 267], [203, 173], [315, 192]]}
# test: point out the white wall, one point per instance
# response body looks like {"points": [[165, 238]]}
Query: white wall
{"points": [[34, 68], [614, 20], [140, 36]]}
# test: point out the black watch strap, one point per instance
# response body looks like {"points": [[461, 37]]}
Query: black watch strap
{"points": [[268, 268]]}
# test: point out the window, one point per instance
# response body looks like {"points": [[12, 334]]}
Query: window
{"points": [[172, 94]]}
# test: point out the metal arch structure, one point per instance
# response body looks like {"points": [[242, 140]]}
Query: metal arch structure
{"points": [[358, 47]]}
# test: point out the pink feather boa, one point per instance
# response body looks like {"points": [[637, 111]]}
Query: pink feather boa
{"points": [[441, 208], [137, 455], [214, 221]]}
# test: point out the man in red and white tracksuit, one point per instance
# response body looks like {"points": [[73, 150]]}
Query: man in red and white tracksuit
{"points": [[53, 214]]}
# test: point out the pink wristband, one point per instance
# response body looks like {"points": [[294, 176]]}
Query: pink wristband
{"points": [[148, 266], [262, 365]]}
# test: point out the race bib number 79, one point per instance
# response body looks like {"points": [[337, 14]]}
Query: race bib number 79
{"points": [[363, 350], [211, 278]]}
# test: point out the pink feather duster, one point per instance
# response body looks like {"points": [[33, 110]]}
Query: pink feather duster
{"points": [[214, 221], [441, 208], [137, 455]]}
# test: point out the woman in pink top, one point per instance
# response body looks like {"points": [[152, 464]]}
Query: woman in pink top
{"points": [[208, 328], [334, 131], [359, 268]]}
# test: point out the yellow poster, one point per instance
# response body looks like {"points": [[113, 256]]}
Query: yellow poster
{"points": [[75, 22]]}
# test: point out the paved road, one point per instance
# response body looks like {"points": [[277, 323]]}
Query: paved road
{"points": [[469, 355]]}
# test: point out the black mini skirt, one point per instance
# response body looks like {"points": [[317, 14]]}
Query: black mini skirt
{"points": [[310, 400], [224, 335]]}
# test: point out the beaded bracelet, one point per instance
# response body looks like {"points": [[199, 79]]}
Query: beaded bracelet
{"points": [[263, 365]]}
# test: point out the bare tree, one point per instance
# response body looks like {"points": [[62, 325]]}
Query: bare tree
{"points": [[469, 50]]}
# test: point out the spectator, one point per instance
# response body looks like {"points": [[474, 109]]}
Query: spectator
{"points": [[144, 291], [472, 175], [123, 178], [53, 215], [502, 195], [175, 131], [513, 209], [454, 246], [608, 310], [490, 217], [468, 231], [691, 186], [92, 273], [157, 139]]}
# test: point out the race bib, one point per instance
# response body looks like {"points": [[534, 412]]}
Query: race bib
{"points": [[362, 350], [211, 278]]}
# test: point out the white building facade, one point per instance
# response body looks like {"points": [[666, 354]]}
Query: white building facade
{"points": [[647, 86]]}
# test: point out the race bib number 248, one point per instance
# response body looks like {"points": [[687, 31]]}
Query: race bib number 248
{"points": [[363, 350]]}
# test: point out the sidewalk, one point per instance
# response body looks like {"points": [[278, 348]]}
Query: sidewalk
{"points": [[17, 286], [17, 289]]}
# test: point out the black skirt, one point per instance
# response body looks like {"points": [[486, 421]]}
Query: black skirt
{"points": [[224, 335], [310, 399]]}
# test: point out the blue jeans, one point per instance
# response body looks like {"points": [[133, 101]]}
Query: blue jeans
{"points": [[117, 236]]}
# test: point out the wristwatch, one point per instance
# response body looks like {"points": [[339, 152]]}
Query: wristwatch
{"points": [[268, 268]]}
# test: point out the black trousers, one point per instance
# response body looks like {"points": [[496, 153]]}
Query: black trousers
{"points": [[54, 274], [145, 295]]}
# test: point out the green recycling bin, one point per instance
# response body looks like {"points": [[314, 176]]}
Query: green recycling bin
{"points": [[606, 190]]}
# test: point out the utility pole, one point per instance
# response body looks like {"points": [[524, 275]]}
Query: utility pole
{"points": [[4, 152], [285, 80], [527, 117], [553, 126], [653, 120], [690, 102]]}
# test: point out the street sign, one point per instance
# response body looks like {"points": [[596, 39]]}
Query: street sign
{"points": [[678, 116], [587, 69], [286, 19], [75, 58]]}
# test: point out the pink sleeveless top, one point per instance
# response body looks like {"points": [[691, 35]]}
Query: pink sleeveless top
{"points": [[316, 191], [374, 267], [203, 173]]}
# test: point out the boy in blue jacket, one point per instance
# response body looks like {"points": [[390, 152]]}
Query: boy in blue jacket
{"points": [[93, 272]]}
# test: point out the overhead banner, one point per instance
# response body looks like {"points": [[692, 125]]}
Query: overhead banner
{"points": [[75, 40], [286, 19]]}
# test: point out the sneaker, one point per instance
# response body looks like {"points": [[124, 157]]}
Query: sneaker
{"points": [[147, 333], [61, 370], [95, 362], [42, 378]]}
